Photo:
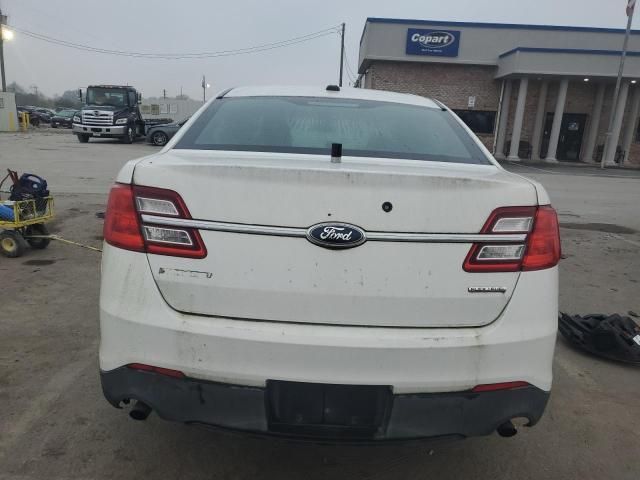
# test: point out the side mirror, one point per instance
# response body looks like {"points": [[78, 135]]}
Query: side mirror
{"points": [[80, 94], [139, 97]]}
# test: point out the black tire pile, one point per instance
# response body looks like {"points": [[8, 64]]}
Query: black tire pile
{"points": [[615, 337]]}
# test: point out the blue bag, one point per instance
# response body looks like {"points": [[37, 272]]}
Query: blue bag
{"points": [[6, 213], [30, 186]]}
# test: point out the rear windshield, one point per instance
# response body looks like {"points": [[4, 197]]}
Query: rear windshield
{"points": [[310, 125]]}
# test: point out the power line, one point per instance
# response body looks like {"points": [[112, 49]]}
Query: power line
{"points": [[257, 48], [346, 57], [179, 56], [350, 71], [70, 28], [352, 76]]}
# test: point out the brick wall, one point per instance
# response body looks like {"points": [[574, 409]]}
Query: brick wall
{"points": [[454, 84], [451, 84]]}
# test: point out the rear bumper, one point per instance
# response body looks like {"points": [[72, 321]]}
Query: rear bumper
{"points": [[408, 417], [137, 326], [106, 131]]}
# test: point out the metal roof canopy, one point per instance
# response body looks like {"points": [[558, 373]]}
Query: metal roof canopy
{"points": [[524, 61]]}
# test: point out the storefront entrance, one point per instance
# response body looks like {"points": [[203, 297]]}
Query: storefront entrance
{"points": [[571, 133]]}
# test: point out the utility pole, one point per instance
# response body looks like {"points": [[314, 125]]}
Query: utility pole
{"points": [[205, 85], [342, 53], [3, 21], [610, 146], [164, 93]]}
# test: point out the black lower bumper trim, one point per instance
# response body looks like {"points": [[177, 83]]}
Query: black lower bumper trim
{"points": [[249, 409], [326, 410]]}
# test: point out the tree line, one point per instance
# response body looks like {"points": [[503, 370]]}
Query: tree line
{"points": [[31, 97]]}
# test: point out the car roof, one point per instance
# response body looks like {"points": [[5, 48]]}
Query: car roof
{"points": [[346, 93], [111, 86]]}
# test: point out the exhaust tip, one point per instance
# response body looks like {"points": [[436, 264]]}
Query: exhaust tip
{"points": [[507, 430], [140, 411]]}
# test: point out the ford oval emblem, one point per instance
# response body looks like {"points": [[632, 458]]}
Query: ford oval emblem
{"points": [[336, 235], [434, 40]]}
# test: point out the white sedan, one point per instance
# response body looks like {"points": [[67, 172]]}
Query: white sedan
{"points": [[326, 263]]}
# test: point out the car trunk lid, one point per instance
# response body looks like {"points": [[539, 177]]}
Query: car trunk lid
{"points": [[254, 209]]}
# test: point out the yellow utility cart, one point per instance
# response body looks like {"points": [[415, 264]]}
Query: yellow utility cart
{"points": [[26, 226]]}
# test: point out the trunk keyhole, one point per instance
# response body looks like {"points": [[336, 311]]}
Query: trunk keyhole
{"points": [[387, 207]]}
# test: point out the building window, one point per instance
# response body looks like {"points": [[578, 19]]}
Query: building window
{"points": [[479, 121]]}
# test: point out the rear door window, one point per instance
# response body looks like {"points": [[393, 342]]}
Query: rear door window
{"points": [[311, 125]]}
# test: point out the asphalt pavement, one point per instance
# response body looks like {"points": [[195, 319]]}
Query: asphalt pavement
{"points": [[55, 424]]}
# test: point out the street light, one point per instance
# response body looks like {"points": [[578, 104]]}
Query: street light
{"points": [[7, 35], [205, 85]]}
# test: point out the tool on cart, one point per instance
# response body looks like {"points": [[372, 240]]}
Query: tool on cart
{"points": [[24, 214]]}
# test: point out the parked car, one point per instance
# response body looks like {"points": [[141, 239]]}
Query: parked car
{"points": [[37, 115], [159, 135], [63, 119], [335, 264], [45, 114]]}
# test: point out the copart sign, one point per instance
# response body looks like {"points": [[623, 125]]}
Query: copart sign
{"points": [[443, 43]]}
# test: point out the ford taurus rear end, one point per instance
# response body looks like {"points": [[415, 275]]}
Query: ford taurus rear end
{"points": [[325, 264]]}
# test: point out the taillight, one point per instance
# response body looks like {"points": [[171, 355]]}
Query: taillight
{"points": [[123, 226], [121, 222], [543, 247], [494, 387], [162, 371], [538, 249]]}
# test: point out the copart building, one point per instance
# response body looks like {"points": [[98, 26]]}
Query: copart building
{"points": [[528, 91]]}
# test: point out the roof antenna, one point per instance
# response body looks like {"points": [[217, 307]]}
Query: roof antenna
{"points": [[336, 153]]}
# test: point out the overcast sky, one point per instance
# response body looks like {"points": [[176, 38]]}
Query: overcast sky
{"points": [[170, 26]]}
